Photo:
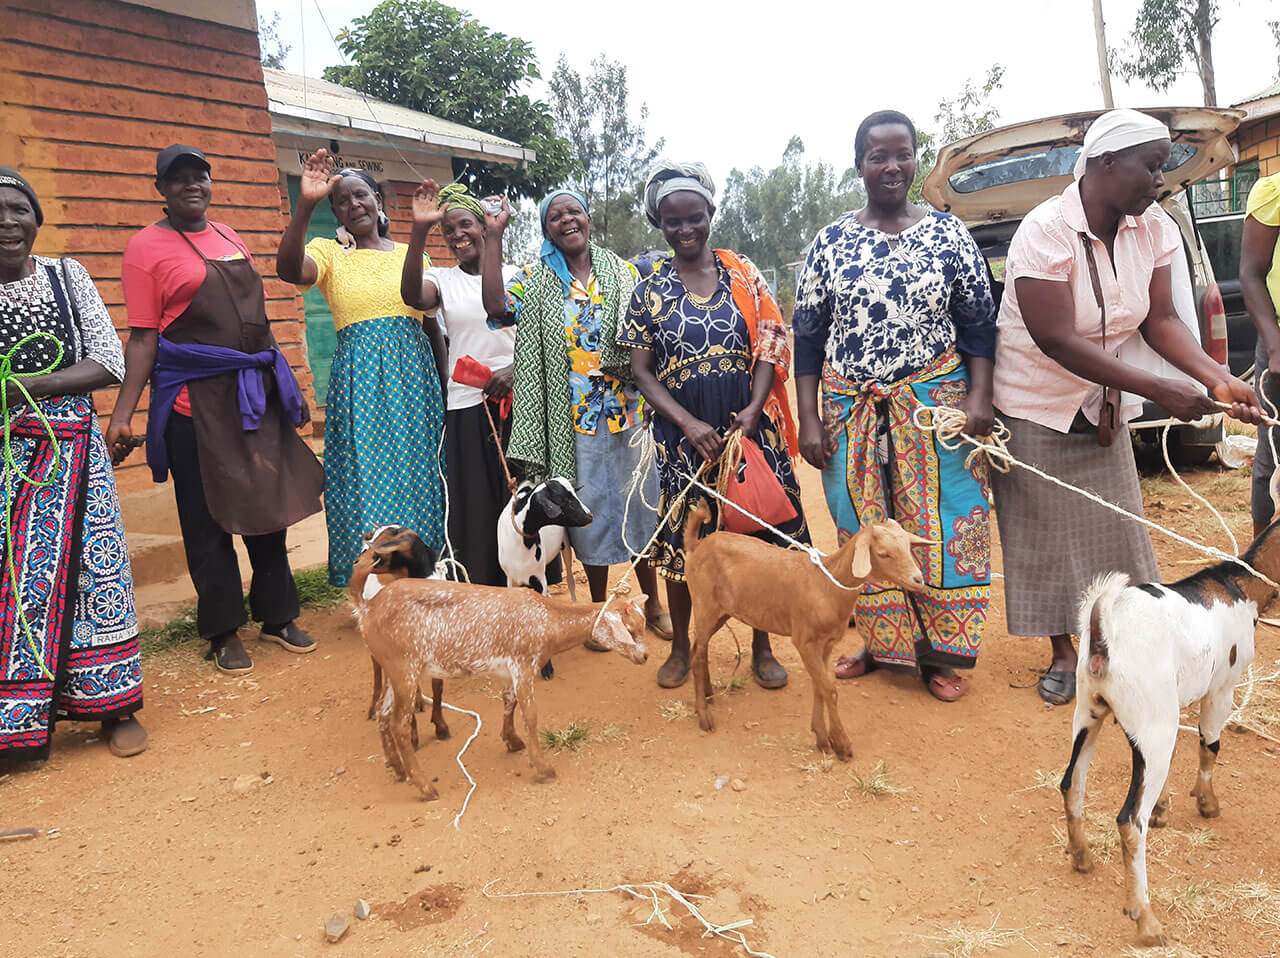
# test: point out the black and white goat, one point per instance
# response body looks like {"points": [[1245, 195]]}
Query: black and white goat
{"points": [[1147, 652], [531, 533]]}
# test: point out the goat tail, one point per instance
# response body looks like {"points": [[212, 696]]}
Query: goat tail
{"points": [[1095, 619], [698, 517]]}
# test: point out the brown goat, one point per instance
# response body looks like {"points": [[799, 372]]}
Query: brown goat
{"points": [[428, 627], [781, 591]]}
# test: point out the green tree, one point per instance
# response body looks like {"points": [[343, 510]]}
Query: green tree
{"points": [[433, 58], [772, 215], [593, 113], [965, 114], [1168, 37], [271, 48]]}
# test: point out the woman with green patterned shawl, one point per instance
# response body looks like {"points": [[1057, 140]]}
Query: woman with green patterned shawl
{"points": [[576, 405]]}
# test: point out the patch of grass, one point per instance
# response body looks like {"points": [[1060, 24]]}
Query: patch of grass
{"points": [[964, 941], [613, 732], [153, 639], [314, 592], [822, 765], [876, 782], [734, 683], [571, 737], [1043, 779], [1255, 902], [1262, 714], [674, 709]]}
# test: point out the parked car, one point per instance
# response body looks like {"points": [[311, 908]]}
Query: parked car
{"points": [[1221, 235], [992, 179]]}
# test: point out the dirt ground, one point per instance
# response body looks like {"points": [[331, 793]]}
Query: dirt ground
{"points": [[263, 806]]}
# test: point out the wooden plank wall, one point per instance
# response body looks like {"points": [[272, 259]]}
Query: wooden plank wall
{"points": [[90, 90], [1260, 140]]}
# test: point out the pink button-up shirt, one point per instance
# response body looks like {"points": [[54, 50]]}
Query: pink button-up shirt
{"points": [[1030, 385]]}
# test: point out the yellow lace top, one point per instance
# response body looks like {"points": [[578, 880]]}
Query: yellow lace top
{"points": [[361, 283]]}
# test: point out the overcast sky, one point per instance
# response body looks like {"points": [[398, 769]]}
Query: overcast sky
{"points": [[731, 83]]}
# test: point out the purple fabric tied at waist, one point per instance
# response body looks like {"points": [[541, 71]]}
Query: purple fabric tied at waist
{"points": [[179, 363]]}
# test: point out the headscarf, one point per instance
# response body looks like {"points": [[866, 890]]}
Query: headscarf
{"points": [[549, 253], [667, 177], [345, 239], [1118, 130], [457, 196], [11, 177]]}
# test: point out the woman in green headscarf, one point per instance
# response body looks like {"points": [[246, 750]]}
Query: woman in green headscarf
{"points": [[476, 482], [576, 403]]}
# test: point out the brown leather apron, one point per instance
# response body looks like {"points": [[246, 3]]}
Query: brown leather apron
{"points": [[259, 481]]}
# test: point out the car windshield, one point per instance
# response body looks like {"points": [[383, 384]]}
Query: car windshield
{"points": [[1039, 165]]}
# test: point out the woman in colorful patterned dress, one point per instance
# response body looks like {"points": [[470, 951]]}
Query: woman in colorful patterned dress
{"points": [[894, 311], [69, 648], [710, 354], [576, 405], [385, 415]]}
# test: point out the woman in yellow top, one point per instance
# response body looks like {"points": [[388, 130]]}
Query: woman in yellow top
{"points": [[385, 414], [1260, 286]]}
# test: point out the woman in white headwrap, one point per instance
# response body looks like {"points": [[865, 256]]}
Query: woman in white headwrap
{"points": [[1086, 271]]}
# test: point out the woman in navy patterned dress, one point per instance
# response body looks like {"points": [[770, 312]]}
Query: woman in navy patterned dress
{"points": [[709, 352], [894, 311]]}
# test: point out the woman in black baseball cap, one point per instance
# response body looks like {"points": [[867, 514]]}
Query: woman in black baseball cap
{"points": [[196, 304], [69, 640]]}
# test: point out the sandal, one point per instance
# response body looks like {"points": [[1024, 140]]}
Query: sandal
{"points": [[674, 672], [769, 673], [1057, 687], [855, 666], [661, 626], [124, 736], [944, 687]]}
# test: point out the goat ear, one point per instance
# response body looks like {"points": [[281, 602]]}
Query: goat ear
{"points": [[916, 540], [862, 553]]}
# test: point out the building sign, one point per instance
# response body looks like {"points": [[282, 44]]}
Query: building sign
{"points": [[345, 161]]}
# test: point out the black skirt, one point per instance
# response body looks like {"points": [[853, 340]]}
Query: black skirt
{"points": [[477, 490]]}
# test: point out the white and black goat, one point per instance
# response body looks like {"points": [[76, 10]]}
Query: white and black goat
{"points": [[531, 533], [1147, 652]]}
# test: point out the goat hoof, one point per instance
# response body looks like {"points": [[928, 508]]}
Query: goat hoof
{"points": [[1160, 817], [372, 712], [706, 723], [442, 732], [429, 795], [544, 776], [1082, 861], [1150, 934], [1208, 805], [515, 745]]}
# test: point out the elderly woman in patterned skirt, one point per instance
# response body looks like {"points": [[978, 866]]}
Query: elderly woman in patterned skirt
{"points": [[69, 642], [710, 354], [893, 312]]}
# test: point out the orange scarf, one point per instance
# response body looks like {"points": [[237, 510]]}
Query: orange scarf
{"points": [[755, 302]]}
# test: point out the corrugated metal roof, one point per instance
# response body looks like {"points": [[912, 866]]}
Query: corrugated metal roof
{"points": [[1273, 90], [289, 94]]}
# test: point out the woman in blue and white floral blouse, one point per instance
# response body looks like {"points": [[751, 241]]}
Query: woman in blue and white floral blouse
{"points": [[893, 311]]}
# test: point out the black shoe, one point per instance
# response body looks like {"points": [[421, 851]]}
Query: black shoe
{"points": [[289, 637], [228, 654]]}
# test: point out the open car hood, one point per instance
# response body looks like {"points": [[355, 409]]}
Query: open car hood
{"points": [[1003, 174]]}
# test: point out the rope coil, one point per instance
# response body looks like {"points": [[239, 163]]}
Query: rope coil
{"points": [[8, 378]]}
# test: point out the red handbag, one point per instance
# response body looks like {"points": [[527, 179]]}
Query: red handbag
{"points": [[755, 487], [469, 371]]}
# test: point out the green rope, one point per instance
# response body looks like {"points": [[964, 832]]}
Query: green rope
{"points": [[9, 377]]}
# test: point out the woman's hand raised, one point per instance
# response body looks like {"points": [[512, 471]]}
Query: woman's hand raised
{"points": [[495, 223], [319, 177], [426, 204]]}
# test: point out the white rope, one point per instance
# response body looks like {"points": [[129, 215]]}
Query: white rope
{"points": [[642, 437], [1164, 449], [648, 891], [447, 561], [946, 423], [812, 552], [458, 758]]}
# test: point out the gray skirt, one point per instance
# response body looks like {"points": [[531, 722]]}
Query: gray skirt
{"points": [[1054, 541], [605, 463]]}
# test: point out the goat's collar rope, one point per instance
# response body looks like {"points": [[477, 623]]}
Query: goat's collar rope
{"points": [[497, 443], [947, 425], [9, 378]]}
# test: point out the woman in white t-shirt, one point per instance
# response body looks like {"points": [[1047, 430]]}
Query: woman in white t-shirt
{"points": [[477, 483]]}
